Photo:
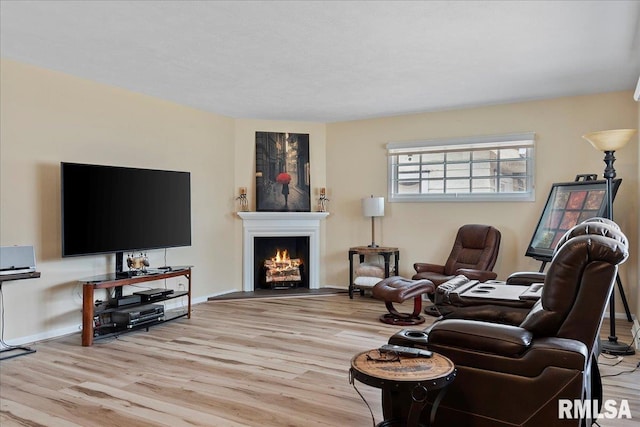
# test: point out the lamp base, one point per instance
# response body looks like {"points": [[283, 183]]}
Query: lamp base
{"points": [[617, 349], [373, 245]]}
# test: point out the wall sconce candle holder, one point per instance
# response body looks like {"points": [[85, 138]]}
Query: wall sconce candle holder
{"points": [[322, 201], [243, 201]]}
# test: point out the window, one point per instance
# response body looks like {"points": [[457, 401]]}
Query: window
{"points": [[483, 168]]}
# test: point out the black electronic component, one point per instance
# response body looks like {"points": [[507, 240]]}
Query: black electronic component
{"points": [[405, 351], [134, 316], [127, 300], [153, 294]]}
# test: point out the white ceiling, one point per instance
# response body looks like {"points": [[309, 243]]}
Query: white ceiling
{"points": [[329, 61]]}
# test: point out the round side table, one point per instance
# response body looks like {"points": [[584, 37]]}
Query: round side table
{"points": [[415, 376]]}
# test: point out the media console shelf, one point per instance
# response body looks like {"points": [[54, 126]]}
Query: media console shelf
{"points": [[15, 350], [92, 314]]}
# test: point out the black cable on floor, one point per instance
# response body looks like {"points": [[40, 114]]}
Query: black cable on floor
{"points": [[622, 372]]}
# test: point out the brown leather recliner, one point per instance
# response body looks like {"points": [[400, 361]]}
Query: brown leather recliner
{"points": [[514, 312], [544, 359], [473, 255]]}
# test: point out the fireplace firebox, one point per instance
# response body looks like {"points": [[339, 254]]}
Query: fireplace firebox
{"points": [[280, 262], [281, 224]]}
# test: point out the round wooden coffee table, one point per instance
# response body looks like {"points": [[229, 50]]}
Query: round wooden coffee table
{"points": [[402, 376]]}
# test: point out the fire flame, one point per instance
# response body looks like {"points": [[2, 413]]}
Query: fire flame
{"points": [[281, 257], [282, 261], [282, 268]]}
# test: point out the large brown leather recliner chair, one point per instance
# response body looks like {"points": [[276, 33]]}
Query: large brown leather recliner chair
{"points": [[544, 359], [473, 255], [514, 312]]}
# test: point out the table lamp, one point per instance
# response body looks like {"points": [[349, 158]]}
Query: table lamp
{"points": [[373, 207], [609, 141]]}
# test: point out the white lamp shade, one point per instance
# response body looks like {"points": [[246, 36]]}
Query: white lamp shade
{"points": [[373, 206], [610, 140]]}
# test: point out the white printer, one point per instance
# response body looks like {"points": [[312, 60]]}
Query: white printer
{"points": [[17, 259]]}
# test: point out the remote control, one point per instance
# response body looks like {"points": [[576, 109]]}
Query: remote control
{"points": [[405, 351]]}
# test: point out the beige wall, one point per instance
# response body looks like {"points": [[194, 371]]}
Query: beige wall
{"points": [[357, 167], [48, 117]]}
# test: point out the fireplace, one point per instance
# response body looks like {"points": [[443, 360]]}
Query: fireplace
{"points": [[279, 262], [280, 225]]}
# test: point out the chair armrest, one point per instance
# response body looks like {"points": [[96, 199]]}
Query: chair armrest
{"points": [[481, 275], [424, 266], [494, 338], [525, 278], [504, 312], [540, 355]]}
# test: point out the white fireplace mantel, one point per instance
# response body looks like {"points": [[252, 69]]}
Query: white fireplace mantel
{"points": [[276, 224]]}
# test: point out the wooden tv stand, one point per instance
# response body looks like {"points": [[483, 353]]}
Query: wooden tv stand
{"points": [[91, 311]]}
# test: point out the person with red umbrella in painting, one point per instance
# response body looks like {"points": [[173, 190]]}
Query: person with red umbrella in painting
{"points": [[284, 179]]}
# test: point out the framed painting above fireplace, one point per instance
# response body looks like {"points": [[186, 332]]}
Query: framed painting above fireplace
{"points": [[282, 172]]}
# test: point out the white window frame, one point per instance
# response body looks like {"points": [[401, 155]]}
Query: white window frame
{"points": [[395, 150]]}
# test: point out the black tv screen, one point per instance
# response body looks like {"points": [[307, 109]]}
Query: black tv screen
{"points": [[118, 209]]}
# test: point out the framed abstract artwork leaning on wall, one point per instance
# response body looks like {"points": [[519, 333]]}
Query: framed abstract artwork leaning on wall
{"points": [[282, 172], [568, 204]]}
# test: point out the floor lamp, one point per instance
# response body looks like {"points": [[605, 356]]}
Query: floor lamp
{"points": [[609, 141], [373, 207]]}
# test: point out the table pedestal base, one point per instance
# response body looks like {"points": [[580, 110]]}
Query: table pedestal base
{"points": [[405, 381]]}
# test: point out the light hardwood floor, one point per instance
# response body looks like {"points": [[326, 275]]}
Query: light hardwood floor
{"points": [[256, 362]]}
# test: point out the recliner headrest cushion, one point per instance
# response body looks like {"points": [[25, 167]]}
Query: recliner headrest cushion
{"points": [[594, 226], [566, 278]]}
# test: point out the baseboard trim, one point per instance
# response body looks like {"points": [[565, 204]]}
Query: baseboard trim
{"points": [[620, 316]]}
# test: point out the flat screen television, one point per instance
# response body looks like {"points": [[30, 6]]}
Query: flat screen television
{"points": [[110, 209]]}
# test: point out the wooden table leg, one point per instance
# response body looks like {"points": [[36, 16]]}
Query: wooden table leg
{"points": [[351, 275], [87, 315], [189, 295], [397, 263], [386, 257]]}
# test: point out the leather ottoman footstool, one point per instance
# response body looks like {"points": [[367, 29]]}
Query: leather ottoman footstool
{"points": [[399, 289]]}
